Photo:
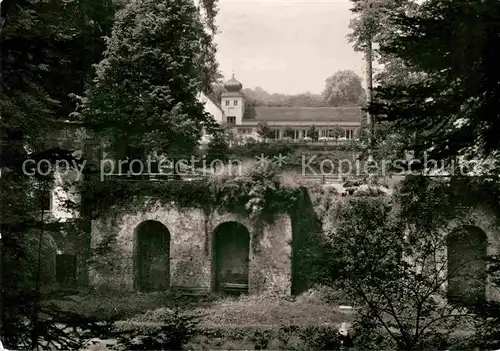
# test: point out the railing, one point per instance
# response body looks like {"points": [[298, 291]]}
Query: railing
{"points": [[160, 177], [156, 177], [330, 178], [312, 142]]}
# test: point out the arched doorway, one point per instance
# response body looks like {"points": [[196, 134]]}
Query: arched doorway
{"points": [[466, 248], [231, 253], [152, 257]]}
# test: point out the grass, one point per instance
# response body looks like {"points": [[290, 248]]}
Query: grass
{"points": [[307, 309], [271, 311], [247, 310], [226, 322], [125, 305]]}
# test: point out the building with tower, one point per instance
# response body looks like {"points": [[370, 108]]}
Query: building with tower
{"points": [[284, 122], [233, 102]]}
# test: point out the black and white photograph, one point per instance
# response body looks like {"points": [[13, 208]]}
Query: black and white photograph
{"points": [[249, 175]]}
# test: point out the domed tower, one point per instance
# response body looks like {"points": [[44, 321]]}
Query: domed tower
{"points": [[233, 102]]}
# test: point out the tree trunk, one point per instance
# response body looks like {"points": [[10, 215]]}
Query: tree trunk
{"points": [[36, 302], [2, 310], [369, 86]]}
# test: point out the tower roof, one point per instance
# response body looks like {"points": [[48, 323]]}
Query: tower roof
{"points": [[232, 85]]}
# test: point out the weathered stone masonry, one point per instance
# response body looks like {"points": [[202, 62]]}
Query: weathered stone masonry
{"points": [[191, 249]]}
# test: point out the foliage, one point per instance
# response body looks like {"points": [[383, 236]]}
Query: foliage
{"points": [[217, 148], [452, 110], [172, 332], [270, 150], [393, 273], [256, 193], [439, 201], [47, 51], [343, 88], [488, 335], [259, 97], [438, 92], [60, 329], [263, 129], [313, 133], [250, 112], [289, 133], [337, 132], [429, 204], [203, 343], [284, 337], [387, 146], [373, 23], [299, 157], [146, 88]]}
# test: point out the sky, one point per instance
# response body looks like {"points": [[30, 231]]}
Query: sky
{"points": [[287, 47]]}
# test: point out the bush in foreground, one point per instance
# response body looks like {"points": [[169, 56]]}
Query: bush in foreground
{"points": [[172, 331]]}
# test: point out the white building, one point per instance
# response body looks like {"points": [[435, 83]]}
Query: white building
{"points": [[295, 120]]}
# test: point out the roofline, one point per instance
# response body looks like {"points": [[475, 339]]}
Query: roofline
{"points": [[216, 104], [311, 107]]}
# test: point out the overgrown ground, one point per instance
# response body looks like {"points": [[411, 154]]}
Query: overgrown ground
{"points": [[248, 322]]}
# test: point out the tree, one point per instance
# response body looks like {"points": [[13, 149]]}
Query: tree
{"points": [[304, 100], [449, 112], [263, 130], [394, 274], [48, 49], [371, 28], [259, 97], [373, 24], [145, 91], [217, 148], [217, 89], [338, 132], [453, 109], [229, 133], [343, 88], [388, 143], [249, 110], [313, 133], [289, 133]]}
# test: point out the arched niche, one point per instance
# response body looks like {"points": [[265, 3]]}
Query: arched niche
{"points": [[231, 256], [466, 265], [152, 257]]}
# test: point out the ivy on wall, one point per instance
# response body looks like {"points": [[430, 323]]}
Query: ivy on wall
{"points": [[431, 203], [256, 194]]}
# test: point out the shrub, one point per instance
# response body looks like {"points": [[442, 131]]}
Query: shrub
{"points": [[321, 338], [291, 337], [252, 150], [172, 333], [323, 294]]}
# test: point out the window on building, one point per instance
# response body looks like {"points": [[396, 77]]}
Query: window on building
{"points": [[45, 197], [231, 120], [66, 270], [227, 102], [323, 133], [349, 133], [235, 103]]}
